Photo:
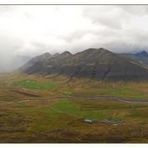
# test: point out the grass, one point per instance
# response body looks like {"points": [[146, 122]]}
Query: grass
{"points": [[69, 107], [65, 106], [57, 116], [34, 84], [58, 109], [123, 92]]}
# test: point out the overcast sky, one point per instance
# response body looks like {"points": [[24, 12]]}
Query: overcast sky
{"points": [[32, 30]]}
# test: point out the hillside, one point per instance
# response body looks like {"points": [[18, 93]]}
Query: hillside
{"points": [[140, 57], [92, 63]]}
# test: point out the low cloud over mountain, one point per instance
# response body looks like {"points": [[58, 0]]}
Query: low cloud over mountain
{"points": [[32, 30]]}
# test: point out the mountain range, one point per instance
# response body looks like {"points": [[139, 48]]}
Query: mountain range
{"points": [[94, 63], [141, 57]]}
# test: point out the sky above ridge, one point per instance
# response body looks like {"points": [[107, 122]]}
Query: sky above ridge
{"points": [[27, 30]]}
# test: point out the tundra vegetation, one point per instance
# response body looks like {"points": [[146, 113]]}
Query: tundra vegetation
{"points": [[51, 109]]}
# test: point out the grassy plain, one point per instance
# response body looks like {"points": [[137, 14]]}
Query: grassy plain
{"points": [[55, 110]]}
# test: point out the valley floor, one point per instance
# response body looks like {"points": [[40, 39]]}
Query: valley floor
{"points": [[49, 109]]}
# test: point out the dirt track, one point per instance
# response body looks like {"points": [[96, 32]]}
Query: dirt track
{"points": [[125, 100]]}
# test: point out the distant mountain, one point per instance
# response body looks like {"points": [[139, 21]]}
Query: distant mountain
{"points": [[100, 64], [140, 57], [141, 54], [36, 60]]}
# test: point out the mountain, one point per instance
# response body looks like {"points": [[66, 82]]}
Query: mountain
{"points": [[139, 57], [38, 60], [141, 54], [100, 64]]}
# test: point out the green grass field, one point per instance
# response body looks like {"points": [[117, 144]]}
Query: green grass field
{"points": [[34, 84], [55, 110]]}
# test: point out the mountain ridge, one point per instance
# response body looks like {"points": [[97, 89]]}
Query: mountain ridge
{"points": [[98, 63], [140, 57]]}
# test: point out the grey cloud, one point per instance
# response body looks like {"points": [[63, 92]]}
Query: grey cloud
{"points": [[29, 31], [105, 17], [76, 35], [135, 10], [8, 49]]}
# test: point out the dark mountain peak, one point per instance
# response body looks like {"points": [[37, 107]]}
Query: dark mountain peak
{"points": [[41, 57], [66, 53], [91, 51], [46, 54], [142, 54], [56, 54], [104, 51]]}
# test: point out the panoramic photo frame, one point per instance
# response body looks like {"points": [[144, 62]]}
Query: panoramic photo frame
{"points": [[73, 73]]}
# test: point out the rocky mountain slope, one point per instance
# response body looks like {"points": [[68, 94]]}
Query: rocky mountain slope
{"points": [[91, 63], [140, 57]]}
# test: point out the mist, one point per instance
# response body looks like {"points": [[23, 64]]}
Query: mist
{"points": [[27, 31]]}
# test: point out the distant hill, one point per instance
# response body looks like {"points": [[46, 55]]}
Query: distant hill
{"points": [[140, 57], [35, 61], [141, 54], [100, 64]]}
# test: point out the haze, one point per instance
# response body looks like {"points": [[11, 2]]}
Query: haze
{"points": [[26, 31]]}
